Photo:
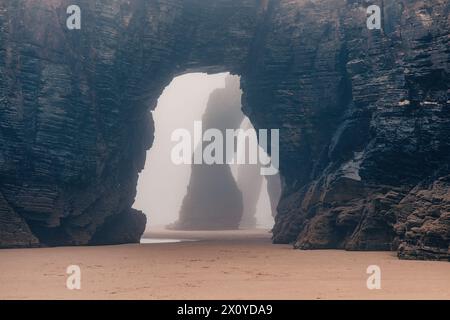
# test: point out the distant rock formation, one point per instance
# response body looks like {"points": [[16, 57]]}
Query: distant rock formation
{"points": [[250, 181], [274, 192], [213, 200]]}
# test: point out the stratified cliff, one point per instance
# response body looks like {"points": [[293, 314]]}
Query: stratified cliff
{"points": [[368, 126], [364, 115], [75, 121]]}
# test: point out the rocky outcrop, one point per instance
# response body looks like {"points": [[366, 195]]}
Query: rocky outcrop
{"points": [[213, 200], [363, 114], [14, 231], [423, 219], [126, 227], [250, 182], [372, 124]]}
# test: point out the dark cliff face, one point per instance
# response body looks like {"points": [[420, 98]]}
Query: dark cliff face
{"points": [[364, 115], [370, 123]]}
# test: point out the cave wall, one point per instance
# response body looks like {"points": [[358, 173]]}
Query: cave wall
{"points": [[363, 114]]}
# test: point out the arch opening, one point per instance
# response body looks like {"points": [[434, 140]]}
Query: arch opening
{"points": [[192, 197]]}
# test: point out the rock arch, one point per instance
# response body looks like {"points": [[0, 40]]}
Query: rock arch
{"points": [[77, 105]]}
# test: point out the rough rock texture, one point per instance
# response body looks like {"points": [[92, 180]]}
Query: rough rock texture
{"points": [[423, 217], [364, 114], [14, 230], [126, 227], [370, 123], [213, 200]]}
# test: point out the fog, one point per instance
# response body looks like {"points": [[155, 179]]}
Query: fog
{"points": [[162, 185]]}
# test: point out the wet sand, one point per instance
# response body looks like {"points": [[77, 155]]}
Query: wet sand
{"points": [[219, 265]]}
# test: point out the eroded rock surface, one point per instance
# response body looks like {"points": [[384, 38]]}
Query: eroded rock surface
{"points": [[363, 114], [371, 124], [423, 217]]}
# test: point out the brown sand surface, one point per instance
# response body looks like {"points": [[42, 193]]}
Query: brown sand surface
{"points": [[220, 265]]}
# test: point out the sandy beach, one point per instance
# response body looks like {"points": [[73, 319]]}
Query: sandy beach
{"points": [[217, 265]]}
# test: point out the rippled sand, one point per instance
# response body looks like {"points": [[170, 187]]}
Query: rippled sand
{"points": [[220, 265]]}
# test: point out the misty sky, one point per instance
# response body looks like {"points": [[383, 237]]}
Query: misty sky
{"points": [[162, 185]]}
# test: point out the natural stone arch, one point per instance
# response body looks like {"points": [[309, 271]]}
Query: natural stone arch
{"points": [[105, 78]]}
